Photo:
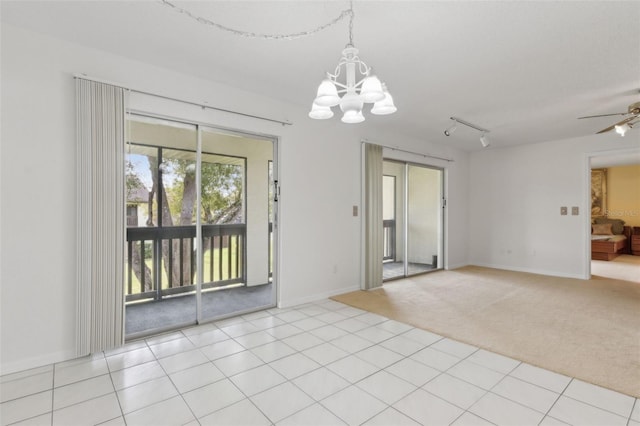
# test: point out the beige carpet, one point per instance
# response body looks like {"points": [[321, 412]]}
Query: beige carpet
{"points": [[625, 267], [585, 329]]}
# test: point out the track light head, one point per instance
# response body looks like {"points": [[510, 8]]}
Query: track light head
{"points": [[451, 129], [484, 140]]}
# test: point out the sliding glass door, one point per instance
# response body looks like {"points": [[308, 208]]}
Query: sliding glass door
{"points": [[236, 225], [412, 219], [160, 251], [198, 225]]}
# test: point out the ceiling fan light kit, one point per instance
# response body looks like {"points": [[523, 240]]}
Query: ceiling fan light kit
{"points": [[622, 129], [623, 126]]}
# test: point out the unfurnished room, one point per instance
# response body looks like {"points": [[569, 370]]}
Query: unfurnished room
{"points": [[319, 212]]}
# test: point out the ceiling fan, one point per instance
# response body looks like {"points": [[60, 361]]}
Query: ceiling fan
{"points": [[622, 126]]}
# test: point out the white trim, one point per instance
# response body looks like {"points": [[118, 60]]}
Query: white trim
{"points": [[37, 361], [199, 250], [363, 230], [445, 220], [456, 266], [316, 297], [405, 220], [275, 273], [586, 217], [527, 270], [586, 202]]}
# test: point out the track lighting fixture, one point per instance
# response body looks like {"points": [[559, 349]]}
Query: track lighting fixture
{"points": [[484, 139], [451, 129], [621, 129]]}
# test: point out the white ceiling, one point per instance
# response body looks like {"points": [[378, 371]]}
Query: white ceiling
{"points": [[524, 70]]}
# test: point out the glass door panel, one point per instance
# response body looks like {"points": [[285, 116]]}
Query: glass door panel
{"points": [[160, 272], [393, 184], [235, 216], [424, 213]]}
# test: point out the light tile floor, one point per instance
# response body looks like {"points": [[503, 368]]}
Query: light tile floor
{"points": [[322, 363]]}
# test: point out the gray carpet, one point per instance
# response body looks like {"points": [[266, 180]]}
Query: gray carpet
{"points": [[180, 311]]}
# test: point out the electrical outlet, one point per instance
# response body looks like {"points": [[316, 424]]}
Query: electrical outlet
{"points": [[575, 211], [563, 211]]}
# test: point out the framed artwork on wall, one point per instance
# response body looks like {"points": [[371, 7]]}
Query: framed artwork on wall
{"points": [[598, 193]]}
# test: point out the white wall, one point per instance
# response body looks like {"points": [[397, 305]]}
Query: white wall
{"points": [[320, 241], [515, 199]]}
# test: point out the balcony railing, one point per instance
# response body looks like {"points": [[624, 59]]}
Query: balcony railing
{"points": [[162, 261], [389, 240]]}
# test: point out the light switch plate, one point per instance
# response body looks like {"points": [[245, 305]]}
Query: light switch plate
{"points": [[563, 211], [355, 211], [575, 211]]}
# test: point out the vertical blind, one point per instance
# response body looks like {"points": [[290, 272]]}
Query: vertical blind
{"points": [[373, 216], [100, 111]]}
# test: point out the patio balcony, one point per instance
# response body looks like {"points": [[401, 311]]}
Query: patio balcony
{"points": [[169, 254], [160, 276]]}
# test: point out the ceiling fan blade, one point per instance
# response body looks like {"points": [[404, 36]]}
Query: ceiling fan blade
{"points": [[626, 120], [603, 115]]}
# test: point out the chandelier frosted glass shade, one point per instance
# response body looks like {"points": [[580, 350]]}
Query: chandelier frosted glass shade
{"points": [[319, 112], [371, 90], [327, 94], [384, 106], [353, 80], [351, 104], [352, 117]]}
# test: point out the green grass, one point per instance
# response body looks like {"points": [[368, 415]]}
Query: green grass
{"points": [[206, 266]]}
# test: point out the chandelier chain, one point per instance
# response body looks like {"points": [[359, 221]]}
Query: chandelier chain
{"points": [[292, 36], [351, 16]]}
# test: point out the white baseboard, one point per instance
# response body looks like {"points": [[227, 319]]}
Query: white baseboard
{"points": [[529, 270], [456, 266], [315, 297], [35, 362]]}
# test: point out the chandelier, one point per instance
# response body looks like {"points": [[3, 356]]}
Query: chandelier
{"points": [[354, 80]]}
